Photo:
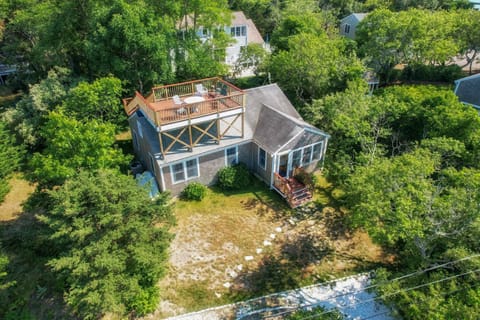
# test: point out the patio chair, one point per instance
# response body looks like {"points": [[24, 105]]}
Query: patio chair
{"points": [[200, 89], [177, 100]]}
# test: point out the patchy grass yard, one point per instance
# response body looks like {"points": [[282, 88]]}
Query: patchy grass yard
{"points": [[287, 248], [12, 206]]}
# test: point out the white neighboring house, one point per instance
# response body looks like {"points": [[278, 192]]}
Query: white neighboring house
{"points": [[242, 30], [348, 25], [468, 90]]}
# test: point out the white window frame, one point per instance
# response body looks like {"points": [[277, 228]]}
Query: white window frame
{"points": [[312, 158], [346, 28], [226, 155], [264, 164], [184, 169]]}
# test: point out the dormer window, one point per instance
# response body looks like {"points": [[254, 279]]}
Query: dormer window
{"points": [[238, 31]]}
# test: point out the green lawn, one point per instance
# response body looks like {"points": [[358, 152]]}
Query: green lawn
{"points": [[214, 236]]}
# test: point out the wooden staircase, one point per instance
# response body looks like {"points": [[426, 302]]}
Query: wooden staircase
{"points": [[292, 190], [299, 193]]}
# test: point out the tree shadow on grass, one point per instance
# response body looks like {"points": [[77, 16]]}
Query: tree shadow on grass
{"points": [[33, 290], [289, 269]]}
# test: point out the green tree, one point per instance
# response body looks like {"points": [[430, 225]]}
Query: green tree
{"points": [[28, 116], [407, 203], [113, 241], [313, 66], [97, 100], [360, 126], [388, 38], [251, 57], [132, 42], [467, 25], [11, 156], [72, 145]]}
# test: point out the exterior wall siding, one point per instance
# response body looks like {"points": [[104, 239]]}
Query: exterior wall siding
{"points": [[262, 174], [208, 167]]}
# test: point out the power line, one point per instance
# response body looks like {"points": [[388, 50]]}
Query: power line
{"points": [[380, 284], [384, 296], [384, 282]]}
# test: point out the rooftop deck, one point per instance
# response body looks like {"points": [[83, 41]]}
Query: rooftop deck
{"points": [[160, 107]]}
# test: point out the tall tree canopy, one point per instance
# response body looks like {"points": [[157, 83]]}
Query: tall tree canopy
{"points": [[112, 242], [72, 145], [133, 40], [10, 156], [100, 100]]}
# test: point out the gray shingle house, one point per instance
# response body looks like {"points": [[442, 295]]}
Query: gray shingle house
{"points": [[348, 25], [468, 90], [188, 131]]}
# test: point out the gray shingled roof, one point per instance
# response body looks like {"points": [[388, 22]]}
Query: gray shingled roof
{"points": [[358, 16], [274, 129], [468, 90]]}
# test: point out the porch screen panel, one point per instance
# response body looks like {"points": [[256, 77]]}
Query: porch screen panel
{"points": [[178, 174], [296, 158], [317, 152], [192, 168], [307, 154]]}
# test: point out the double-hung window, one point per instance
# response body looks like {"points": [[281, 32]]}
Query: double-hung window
{"points": [[262, 158], [185, 170], [231, 156]]}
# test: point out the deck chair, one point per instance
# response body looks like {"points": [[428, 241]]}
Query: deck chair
{"points": [[177, 100], [200, 89]]}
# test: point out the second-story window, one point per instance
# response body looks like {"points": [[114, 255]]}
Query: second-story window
{"points": [[347, 28], [238, 31]]}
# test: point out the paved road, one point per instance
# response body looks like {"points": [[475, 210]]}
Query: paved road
{"points": [[346, 294]]}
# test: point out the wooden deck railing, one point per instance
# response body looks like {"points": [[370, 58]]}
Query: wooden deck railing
{"points": [[194, 110], [281, 184], [189, 88], [160, 108]]}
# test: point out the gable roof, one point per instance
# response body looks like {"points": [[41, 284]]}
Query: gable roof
{"points": [[468, 90], [277, 131], [253, 35], [355, 16]]}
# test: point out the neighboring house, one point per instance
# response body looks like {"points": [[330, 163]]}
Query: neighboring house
{"points": [[188, 131], [241, 29], [6, 71], [468, 90], [348, 25]]}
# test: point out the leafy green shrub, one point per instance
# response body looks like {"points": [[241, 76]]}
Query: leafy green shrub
{"points": [[309, 180], [234, 177], [194, 191], [422, 72]]}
